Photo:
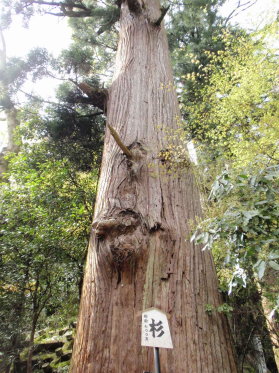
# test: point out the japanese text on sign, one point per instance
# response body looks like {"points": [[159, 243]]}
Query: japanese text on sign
{"points": [[155, 329]]}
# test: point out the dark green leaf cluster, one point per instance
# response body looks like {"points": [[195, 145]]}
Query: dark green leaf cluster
{"points": [[249, 224], [193, 28]]}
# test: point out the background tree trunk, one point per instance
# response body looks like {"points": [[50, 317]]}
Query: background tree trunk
{"points": [[31, 345], [140, 254], [10, 111]]}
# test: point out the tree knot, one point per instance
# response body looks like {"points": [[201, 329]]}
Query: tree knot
{"points": [[122, 236]]}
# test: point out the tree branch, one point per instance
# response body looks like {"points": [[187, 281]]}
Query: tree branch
{"points": [[163, 13], [97, 96], [67, 9], [70, 14], [91, 115], [39, 99], [106, 26], [238, 7], [60, 4], [119, 142]]}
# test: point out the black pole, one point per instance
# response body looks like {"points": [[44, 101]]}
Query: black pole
{"points": [[157, 360]]}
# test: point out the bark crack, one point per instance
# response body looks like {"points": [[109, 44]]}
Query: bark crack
{"points": [[136, 163]]}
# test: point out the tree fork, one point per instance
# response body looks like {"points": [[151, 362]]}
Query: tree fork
{"points": [[139, 254]]}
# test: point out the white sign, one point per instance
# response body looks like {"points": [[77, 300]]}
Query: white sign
{"points": [[155, 331]]}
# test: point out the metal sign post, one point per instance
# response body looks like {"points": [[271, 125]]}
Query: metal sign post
{"points": [[157, 360], [155, 332]]}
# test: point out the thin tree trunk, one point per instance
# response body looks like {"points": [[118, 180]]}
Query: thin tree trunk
{"points": [[271, 284], [10, 112], [31, 345], [139, 253], [259, 358], [12, 123]]}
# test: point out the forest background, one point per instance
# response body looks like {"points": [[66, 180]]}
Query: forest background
{"points": [[227, 81]]}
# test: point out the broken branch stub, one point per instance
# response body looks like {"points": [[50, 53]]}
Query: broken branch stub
{"points": [[119, 142], [163, 13], [98, 96]]}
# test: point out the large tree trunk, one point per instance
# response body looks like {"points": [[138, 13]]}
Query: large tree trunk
{"points": [[139, 253]]}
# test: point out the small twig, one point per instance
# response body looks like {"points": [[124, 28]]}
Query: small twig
{"points": [[123, 147], [163, 13], [80, 14], [238, 8], [246, 347], [36, 98], [58, 4], [91, 115]]}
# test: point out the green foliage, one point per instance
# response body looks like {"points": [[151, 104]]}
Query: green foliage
{"points": [[233, 120], [209, 309], [72, 132], [45, 213], [76, 59], [235, 111], [192, 30], [223, 308], [101, 46], [16, 71], [245, 224], [47, 196]]}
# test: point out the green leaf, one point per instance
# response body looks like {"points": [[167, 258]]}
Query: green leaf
{"points": [[260, 268], [261, 202], [273, 254], [273, 265], [250, 214]]}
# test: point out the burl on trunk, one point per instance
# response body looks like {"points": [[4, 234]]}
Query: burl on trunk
{"points": [[140, 255]]}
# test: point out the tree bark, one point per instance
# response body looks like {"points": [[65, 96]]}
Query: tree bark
{"points": [[139, 254], [29, 368], [10, 112]]}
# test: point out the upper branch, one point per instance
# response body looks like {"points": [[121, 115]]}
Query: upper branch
{"points": [[240, 7], [95, 96], [69, 8], [71, 14], [63, 4]]}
